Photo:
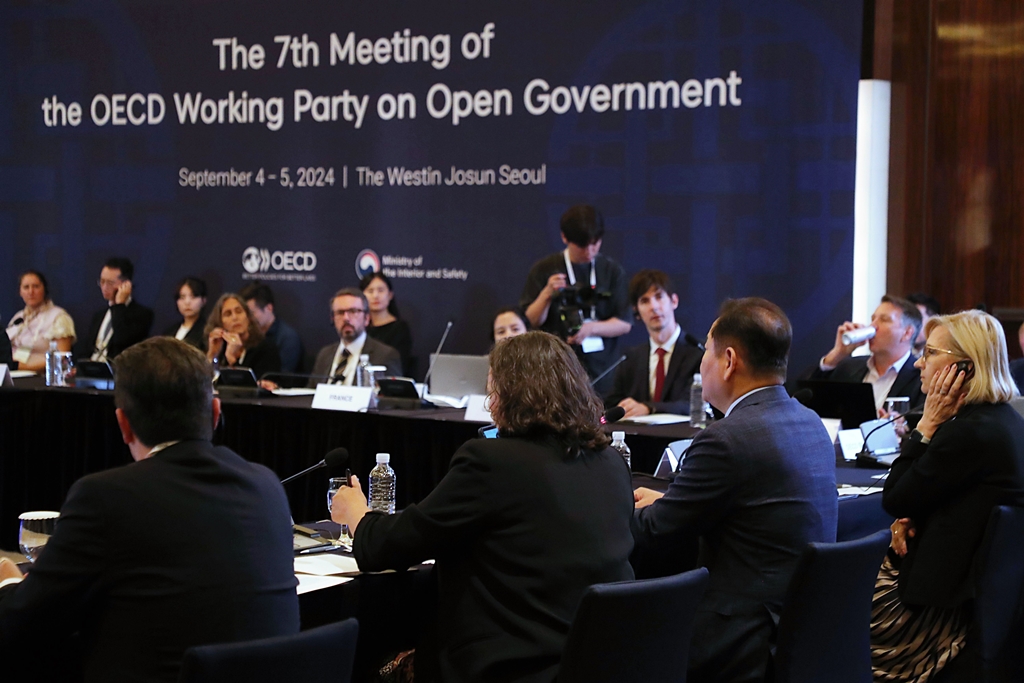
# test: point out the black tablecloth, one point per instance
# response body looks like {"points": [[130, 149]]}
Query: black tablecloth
{"points": [[52, 437]]}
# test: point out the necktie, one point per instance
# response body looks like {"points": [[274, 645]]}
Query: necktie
{"points": [[659, 375], [339, 373]]}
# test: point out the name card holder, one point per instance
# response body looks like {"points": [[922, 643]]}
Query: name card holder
{"points": [[341, 397], [475, 410]]}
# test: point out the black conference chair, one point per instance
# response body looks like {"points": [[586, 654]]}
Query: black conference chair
{"points": [[634, 631], [320, 655], [825, 629], [996, 619]]}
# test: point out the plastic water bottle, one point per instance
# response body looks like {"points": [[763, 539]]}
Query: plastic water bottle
{"points": [[619, 444], [382, 486], [364, 376], [51, 364], [698, 418]]}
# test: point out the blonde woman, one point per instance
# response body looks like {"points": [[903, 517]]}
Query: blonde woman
{"points": [[965, 457]]}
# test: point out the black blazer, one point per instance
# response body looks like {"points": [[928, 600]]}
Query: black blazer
{"points": [[194, 337], [398, 336], [131, 323], [262, 358], [756, 487], [189, 547], [519, 531], [855, 369], [632, 378], [6, 354], [948, 487]]}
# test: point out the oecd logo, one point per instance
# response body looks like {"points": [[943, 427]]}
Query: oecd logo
{"points": [[367, 262], [255, 260]]}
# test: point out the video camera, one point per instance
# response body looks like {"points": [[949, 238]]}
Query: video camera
{"points": [[574, 304]]}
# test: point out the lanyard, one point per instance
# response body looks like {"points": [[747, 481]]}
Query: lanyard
{"points": [[572, 277]]}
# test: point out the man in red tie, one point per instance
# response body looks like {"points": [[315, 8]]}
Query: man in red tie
{"points": [[656, 377]]}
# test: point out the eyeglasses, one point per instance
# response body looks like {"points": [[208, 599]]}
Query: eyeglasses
{"points": [[932, 351], [341, 313], [112, 283]]}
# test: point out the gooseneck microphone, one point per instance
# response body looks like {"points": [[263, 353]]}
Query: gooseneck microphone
{"points": [[437, 353], [693, 341], [865, 452], [612, 367], [335, 460]]}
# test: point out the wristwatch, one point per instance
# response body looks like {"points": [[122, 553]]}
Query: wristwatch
{"points": [[918, 437]]}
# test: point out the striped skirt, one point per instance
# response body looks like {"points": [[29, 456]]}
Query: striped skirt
{"points": [[911, 644]]}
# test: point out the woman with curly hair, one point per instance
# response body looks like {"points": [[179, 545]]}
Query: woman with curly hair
{"points": [[235, 339]]}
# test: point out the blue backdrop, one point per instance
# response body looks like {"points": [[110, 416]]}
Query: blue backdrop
{"points": [[738, 186]]}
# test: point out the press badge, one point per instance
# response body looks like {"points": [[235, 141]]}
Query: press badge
{"points": [[593, 344]]}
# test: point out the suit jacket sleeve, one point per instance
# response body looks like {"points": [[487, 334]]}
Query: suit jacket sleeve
{"points": [[926, 476], [452, 513], [131, 323], [698, 498], [50, 601]]}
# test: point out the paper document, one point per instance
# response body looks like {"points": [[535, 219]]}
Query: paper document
{"points": [[657, 419], [447, 401], [832, 426], [22, 374], [296, 391], [851, 441], [309, 583], [850, 491], [326, 564]]}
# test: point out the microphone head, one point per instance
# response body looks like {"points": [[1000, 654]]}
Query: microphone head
{"points": [[803, 395], [336, 460], [693, 341], [613, 415]]}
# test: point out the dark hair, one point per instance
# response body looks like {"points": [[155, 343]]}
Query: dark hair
{"points": [[195, 285], [541, 389], [165, 388], [514, 310], [759, 329], [911, 313], [370, 277], [644, 280], [351, 291], [582, 225], [42, 281], [258, 292], [123, 264], [255, 334], [930, 303]]}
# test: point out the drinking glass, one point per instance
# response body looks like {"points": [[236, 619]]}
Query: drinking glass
{"points": [[335, 483], [36, 529], [63, 366], [897, 405]]}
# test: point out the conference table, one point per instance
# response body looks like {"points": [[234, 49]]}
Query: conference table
{"points": [[53, 436]]}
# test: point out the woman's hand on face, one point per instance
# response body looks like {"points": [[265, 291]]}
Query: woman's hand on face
{"points": [[946, 395], [215, 343], [902, 529]]}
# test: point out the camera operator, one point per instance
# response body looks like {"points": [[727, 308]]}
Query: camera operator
{"points": [[580, 294]]}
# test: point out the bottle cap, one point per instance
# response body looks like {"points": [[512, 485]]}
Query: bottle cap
{"points": [[364, 358], [618, 436], [383, 458], [696, 377]]}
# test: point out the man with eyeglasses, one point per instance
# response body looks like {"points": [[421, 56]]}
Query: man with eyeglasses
{"points": [[890, 367], [122, 322], [338, 362]]}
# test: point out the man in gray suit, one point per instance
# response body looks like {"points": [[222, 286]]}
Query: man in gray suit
{"points": [[338, 362], [756, 487]]}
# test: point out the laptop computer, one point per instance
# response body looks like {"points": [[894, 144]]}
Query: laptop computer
{"points": [[458, 375], [851, 402]]}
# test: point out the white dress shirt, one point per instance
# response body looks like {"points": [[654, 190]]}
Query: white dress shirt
{"points": [[882, 384], [669, 346], [749, 393], [105, 333], [355, 347]]}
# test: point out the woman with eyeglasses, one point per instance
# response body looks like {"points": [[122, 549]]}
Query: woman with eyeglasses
{"points": [[520, 526], [965, 457], [234, 338]]}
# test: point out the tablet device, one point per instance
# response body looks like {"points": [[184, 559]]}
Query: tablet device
{"points": [[397, 387], [238, 377], [93, 374]]}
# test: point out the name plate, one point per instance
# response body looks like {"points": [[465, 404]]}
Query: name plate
{"points": [[475, 410], [5, 379], [340, 397]]}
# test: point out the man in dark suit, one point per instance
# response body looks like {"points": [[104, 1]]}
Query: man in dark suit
{"points": [[189, 545], [122, 322], [338, 362], [756, 487], [260, 300], [890, 367], [656, 376]]}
